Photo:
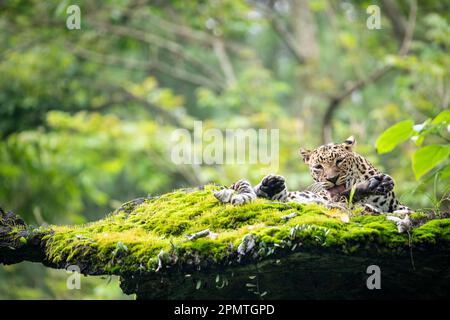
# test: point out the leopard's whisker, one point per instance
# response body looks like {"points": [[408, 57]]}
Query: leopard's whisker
{"points": [[315, 187]]}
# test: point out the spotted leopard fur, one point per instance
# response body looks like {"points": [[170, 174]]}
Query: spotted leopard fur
{"points": [[336, 170]]}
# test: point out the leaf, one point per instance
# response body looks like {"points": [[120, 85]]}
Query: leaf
{"points": [[198, 285], [394, 135], [426, 158], [445, 172], [419, 127], [352, 194], [418, 140], [443, 117], [250, 285]]}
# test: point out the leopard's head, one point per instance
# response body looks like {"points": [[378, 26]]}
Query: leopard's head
{"points": [[332, 165]]}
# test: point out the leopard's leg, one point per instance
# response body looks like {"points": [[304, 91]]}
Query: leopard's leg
{"points": [[402, 209], [378, 197], [377, 185], [375, 194], [311, 197], [239, 193], [224, 195], [387, 203], [273, 187], [370, 209], [404, 223], [244, 192]]}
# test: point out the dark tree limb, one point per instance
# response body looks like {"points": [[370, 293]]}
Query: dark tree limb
{"points": [[174, 48], [336, 101], [182, 30], [279, 27], [224, 61], [17, 242], [20, 242], [395, 16], [141, 273], [134, 64]]}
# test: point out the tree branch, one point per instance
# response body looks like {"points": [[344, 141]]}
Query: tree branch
{"points": [[336, 101], [224, 61], [134, 64], [396, 18], [284, 34], [185, 31], [17, 242], [155, 40], [154, 108]]}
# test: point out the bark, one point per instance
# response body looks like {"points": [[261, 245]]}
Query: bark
{"points": [[13, 249], [396, 18], [304, 275]]}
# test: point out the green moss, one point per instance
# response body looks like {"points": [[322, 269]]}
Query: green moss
{"points": [[435, 232], [131, 240]]}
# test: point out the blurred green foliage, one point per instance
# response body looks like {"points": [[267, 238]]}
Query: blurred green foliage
{"points": [[86, 115], [430, 158]]}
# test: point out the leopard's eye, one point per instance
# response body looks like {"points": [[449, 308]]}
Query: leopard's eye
{"points": [[318, 166], [339, 161]]}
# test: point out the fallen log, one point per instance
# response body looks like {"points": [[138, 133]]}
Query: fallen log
{"points": [[160, 249]]}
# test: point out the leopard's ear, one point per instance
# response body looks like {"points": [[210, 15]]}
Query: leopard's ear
{"points": [[306, 154], [349, 143]]}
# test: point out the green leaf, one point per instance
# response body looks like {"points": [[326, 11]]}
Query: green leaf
{"points": [[198, 285], [352, 194], [426, 158], [394, 135], [443, 117], [445, 172], [418, 140]]}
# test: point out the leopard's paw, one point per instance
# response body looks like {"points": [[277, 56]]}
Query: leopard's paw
{"points": [[238, 199], [270, 186], [224, 195], [380, 184], [403, 225]]}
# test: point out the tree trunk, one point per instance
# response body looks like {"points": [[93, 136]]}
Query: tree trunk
{"points": [[272, 250], [304, 30]]}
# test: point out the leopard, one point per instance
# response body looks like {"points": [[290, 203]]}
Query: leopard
{"points": [[341, 177]]}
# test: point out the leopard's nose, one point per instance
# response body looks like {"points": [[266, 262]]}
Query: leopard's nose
{"points": [[333, 179]]}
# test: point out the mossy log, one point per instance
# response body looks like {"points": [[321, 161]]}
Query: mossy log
{"points": [[185, 244]]}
